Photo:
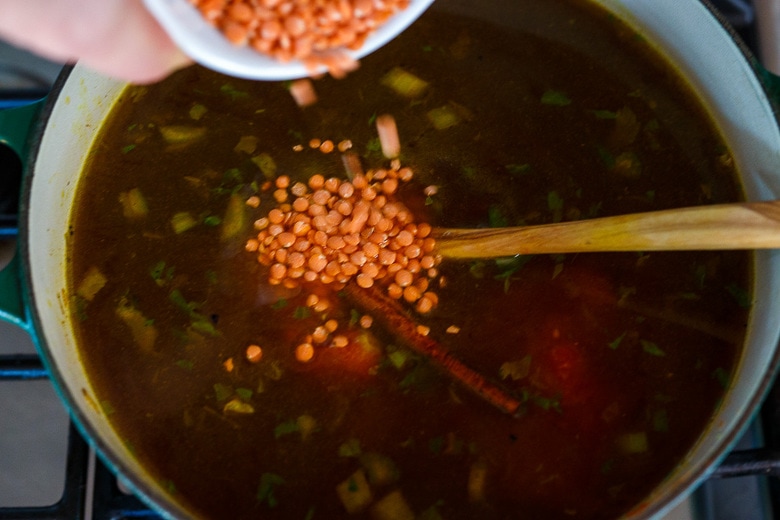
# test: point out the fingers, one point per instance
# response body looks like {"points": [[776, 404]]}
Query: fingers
{"points": [[118, 38]]}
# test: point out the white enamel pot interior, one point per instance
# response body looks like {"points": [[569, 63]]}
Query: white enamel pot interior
{"points": [[684, 30]]}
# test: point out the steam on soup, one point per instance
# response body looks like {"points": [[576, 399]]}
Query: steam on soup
{"points": [[616, 361]]}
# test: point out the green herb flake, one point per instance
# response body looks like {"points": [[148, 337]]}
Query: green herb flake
{"points": [[350, 448], [555, 98], [740, 295], [661, 421], [230, 90], [107, 408], [185, 364], [398, 358], [245, 394], [374, 145], [496, 217], [651, 348], [436, 445], [516, 369], [197, 111], [722, 377], [222, 392], [354, 317], [554, 201], [605, 114], [127, 149], [286, 428], [615, 343], [266, 488], [212, 220], [169, 486], [606, 157], [301, 313], [518, 169], [281, 303]]}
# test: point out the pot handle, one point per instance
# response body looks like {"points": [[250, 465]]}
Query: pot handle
{"points": [[15, 126]]}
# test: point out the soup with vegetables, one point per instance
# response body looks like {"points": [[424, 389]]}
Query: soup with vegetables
{"points": [[258, 297]]}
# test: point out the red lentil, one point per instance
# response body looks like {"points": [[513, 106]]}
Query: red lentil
{"points": [[254, 353]]}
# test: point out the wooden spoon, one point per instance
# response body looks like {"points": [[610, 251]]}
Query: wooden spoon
{"points": [[750, 225]]}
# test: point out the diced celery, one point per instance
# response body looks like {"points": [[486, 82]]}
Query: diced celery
{"points": [[246, 144], [182, 221], [355, 493], [237, 406], [393, 506], [182, 134], [142, 329], [197, 111], [235, 218], [266, 164], [404, 82], [91, 284], [477, 481], [134, 204], [306, 426], [443, 117], [633, 443], [398, 358], [381, 470]]}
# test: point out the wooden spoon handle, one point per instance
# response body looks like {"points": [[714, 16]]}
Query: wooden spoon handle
{"points": [[751, 225]]}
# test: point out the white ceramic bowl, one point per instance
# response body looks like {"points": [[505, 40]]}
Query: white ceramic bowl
{"points": [[207, 46]]}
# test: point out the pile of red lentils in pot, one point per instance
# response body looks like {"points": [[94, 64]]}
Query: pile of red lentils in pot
{"points": [[317, 32], [331, 232]]}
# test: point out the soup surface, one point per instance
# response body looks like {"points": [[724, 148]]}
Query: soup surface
{"points": [[618, 360]]}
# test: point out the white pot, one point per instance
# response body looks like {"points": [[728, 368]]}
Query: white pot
{"points": [[727, 79]]}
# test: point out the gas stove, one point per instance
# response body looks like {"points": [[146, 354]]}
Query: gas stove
{"points": [[47, 471]]}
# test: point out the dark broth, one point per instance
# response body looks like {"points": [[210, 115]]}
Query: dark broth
{"points": [[620, 359]]}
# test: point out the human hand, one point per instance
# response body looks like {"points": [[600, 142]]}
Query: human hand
{"points": [[118, 38]]}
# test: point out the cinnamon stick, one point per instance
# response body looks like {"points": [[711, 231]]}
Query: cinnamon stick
{"points": [[384, 310]]}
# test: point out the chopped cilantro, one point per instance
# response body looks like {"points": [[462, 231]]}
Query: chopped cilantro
{"points": [[127, 149], [555, 98], [605, 114], [301, 312], [606, 157], [169, 486], [354, 317], [721, 376], [281, 303], [212, 220], [286, 428], [554, 201], [661, 421], [518, 169], [265, 490], [222, 392], [186, 364], [651, 348], [350, 448], [436, 445], [107, 408], [496, 217], [740, 295], [232, 92], [245, 394], [615, 343], [516, 369]]}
